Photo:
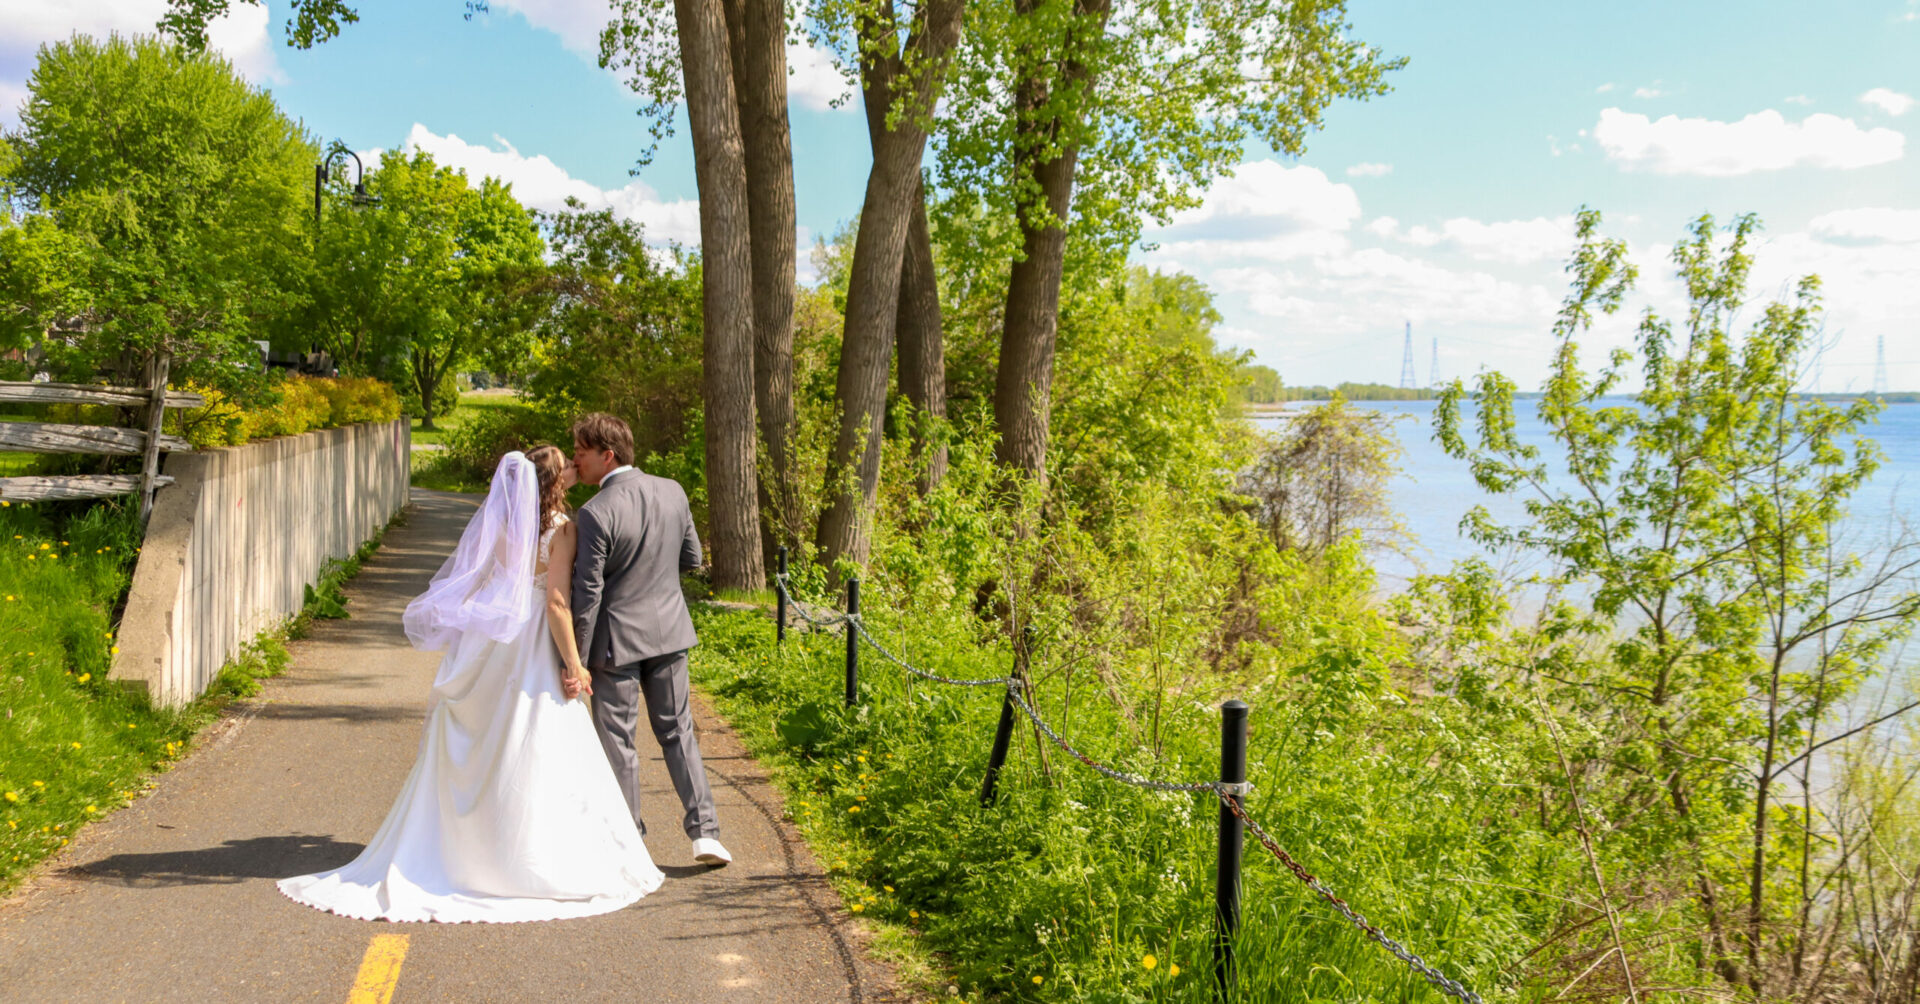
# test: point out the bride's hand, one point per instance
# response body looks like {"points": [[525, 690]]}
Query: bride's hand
{"points": [[577, 684]]}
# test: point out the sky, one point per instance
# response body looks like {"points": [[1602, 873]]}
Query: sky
{"points": [[1445, 206]]}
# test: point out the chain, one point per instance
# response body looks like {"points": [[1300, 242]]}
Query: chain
{"points": [[860, 624], [780, 583], [1013, 693], [1439, 980], [1228, 793]]}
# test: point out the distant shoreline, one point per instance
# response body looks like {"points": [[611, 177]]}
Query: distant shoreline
{"points": [[1273, 408]]}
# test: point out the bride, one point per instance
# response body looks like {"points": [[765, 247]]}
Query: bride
{"points": [[511, 812]]}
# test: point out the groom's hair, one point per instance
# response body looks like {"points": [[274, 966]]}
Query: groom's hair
{"points": [[601, 431]]}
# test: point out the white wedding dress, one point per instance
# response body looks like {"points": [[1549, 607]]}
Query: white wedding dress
{"points": [[511, 812]]}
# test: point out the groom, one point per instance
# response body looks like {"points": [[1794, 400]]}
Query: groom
{"points": [[635, 538]]}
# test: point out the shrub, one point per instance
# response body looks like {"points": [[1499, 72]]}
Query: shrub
{"points": [[295, 405], [475, 446], [359, 399]]}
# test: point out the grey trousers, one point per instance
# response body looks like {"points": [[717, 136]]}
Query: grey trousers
{"points": [[662, 683]]}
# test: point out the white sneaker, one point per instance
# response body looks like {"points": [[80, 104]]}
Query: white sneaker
{"points": [[709, 851]]}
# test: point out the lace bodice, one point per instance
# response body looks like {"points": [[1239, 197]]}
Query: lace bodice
{"points": [[546, 551]]}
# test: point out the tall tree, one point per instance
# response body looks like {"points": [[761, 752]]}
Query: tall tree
{"points": [[1137, 105], [757, 33], [434, 275], [918, 322], [161, 197], [720, 170], [905, 80], [736, 107]]}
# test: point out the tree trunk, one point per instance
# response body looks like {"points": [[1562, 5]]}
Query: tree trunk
{"points": [[917, 321], [425, 381], [853, 468], [757, 32], [1023, 390], [726, 290]]}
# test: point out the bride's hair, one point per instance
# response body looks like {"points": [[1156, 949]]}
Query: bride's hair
{"points": [[547, 463]]}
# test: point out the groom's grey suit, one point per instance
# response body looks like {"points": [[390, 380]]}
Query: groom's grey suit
{"points": [[635, 538]]}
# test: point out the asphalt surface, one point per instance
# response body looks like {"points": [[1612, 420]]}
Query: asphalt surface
{"points": [[173, 897]]}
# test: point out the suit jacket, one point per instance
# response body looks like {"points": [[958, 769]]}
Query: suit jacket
{"points": [[635, 538]]}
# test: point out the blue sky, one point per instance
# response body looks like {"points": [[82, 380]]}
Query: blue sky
{"points": [[1446, 203]]}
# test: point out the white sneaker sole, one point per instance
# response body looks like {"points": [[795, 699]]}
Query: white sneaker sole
{"points": [[714, 860]]}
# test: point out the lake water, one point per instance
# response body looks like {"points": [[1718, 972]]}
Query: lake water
{"points": [[1434, 491]]}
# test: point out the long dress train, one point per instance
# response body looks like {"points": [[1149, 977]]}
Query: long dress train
{"points": [[511, 812]]}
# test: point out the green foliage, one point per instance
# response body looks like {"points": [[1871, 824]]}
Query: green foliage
{"points": [[72, 746], [1324, 477], [438, 277], [1159, 98], [313, 21], [157, 204], [289, 407], [1721, 628]]}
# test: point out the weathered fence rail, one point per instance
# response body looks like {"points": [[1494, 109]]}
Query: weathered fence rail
{"points": [[100, 440]]}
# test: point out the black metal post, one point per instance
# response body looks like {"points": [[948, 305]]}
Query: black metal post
{"points": [[780, 600], [319, 179], [853, 642], [1233, 770], [1002, 738]]}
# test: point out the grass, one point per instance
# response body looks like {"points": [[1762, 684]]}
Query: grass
{"points": [[433, 469], [471, 403], [1073, 888], [74, 746]]}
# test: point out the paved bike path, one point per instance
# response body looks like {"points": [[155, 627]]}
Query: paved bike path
{"points": [[174, 897]]}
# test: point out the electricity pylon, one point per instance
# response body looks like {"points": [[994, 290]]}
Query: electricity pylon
{"points": [[1407, 378], [1880, 366], [1433, 368]]}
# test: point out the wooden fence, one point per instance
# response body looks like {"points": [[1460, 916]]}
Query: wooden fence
{"points": [[53, 437]]}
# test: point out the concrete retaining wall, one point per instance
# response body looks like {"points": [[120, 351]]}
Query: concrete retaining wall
{"points": [[237, 538]]}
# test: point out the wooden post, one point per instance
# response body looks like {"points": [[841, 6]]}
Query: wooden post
{"points": [[156, 413]]}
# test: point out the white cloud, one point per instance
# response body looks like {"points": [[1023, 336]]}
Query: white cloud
{"points": [[1800, 99], [1892, 102], [1604, 88], [1511, 241], [812, 80], [1369, 170], [540, 183], [1264, 198], [1647, 92], [1867, 226], [1763, 141], [241, 35]]}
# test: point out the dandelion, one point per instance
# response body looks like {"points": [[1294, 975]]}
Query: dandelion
{"points": [[1037, 981], [861, 759], [116, 650], [76, 745], [12, 796], [44, 546], [1173, 969], [93, 808], [11, 825], [84, 677], [853, 808], [1149, 961], [887, 888], [915, 914], [857, 907], [39, 784]]}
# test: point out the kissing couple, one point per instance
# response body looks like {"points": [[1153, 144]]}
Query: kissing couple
{"points": [[523, 804]]}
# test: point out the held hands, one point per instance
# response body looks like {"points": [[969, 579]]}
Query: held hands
{"points": [[576, 683]]}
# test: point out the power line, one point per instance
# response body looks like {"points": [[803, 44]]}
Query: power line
{"points": [[1407, 379]]}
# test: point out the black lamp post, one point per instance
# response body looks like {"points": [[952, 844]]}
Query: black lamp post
{"points": [[322, 173]]}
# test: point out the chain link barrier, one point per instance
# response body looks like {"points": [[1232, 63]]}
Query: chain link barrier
{"points": [[1228, 793], [1440, 981], [780, 583]]}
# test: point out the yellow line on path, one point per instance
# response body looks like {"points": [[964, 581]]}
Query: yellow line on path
{"points": [[380, 970]]}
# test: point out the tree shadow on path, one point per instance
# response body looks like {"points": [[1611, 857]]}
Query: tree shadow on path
{"points": [[232, 862]]}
